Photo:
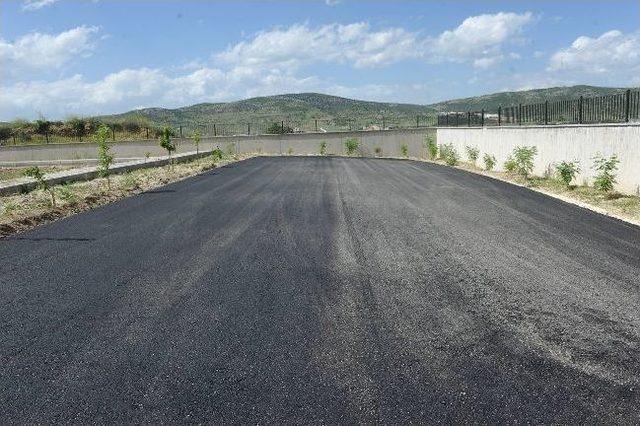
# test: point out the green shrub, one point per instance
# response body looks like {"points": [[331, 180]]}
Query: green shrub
{"points": [[489, 161], [404, 149], [432, 147], [196, 140], [351, 145], [105, 158], [217, 154], [449, 154], [290, 151], [35, 173], [378, 151], [66, 193], [510, 165], [567, 171], [166, 142], [523, 157], [278, 129], [606, 168], [323, 148], [472, 153], [129, 182]]}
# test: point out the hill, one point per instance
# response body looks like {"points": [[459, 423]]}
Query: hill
{"points": [[300, 106], [491, 102]]}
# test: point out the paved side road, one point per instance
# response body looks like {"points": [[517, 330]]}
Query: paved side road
{"points": [[323, 290]]}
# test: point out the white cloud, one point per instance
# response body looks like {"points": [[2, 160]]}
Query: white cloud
{"points": [[332, 2], [613, 51], [45, 51], [478, 38], [31, 5], [487, 62], [300, 44]]}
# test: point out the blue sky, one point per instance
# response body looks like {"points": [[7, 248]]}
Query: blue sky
{"points": [[71, 57]]}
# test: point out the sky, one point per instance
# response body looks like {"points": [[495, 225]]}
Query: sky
{"points": [[60, 58]]}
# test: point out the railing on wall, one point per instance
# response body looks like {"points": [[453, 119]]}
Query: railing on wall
{"points": [[618, 108]]}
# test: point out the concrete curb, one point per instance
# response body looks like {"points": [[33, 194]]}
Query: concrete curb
{"points": [[87, 173]]}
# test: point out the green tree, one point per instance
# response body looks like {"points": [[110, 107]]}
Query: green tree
{"points": [[472, 153], [523, 157], [37, 174], [351, 145], [489, 161], [166, 142], [105, 157], [196, 140]]}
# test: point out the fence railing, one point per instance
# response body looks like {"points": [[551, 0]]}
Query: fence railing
{"points": [[272, 125], [618, 108]]}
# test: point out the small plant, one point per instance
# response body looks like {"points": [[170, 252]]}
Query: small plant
{"points": [[523, 157], [432, 148], [196, 140], [146, 156], [567, 171], [449, 154], [323, 148], [378, 151], [290, 151], [166, 142], [35, 173], [129, 182], [217, 154], [105, 158], [404, 149], [510, 165], [351, 145], [489, 161], [66, 194], [472, 153], [606, 168]]}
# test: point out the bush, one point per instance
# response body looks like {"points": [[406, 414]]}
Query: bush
{"points": [[510, 165], [489, 161], [378, 151], [472, 153], [432, 148], [523, 157], [449, 154], [35, 173], [278, 129], [404, 149], [323, 148], [217, 154], [166, 142], [567, 171], [5, 133], [352, 145], [606, 178]]}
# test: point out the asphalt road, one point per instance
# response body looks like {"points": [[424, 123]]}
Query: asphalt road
{"points": [[323, 290]]}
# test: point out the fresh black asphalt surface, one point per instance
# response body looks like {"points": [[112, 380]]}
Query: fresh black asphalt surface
{"points": [[323, 290]]}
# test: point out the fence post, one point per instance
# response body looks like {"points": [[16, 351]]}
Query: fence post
{"points": [[316, 125], [282, 126], [627, 105], [46, 134], [580, 110], [417, 121], [147, 133], [181, 131], [499, 116], [383, 126], [447, 120], [113, 133], [520, 115], [248, 128], [546, 112], [482, 119], [468, 118], [457, 120], [215, 132]]}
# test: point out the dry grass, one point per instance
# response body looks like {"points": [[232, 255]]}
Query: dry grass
{"points": [[612, 203], [9, 173], [24, 211]]}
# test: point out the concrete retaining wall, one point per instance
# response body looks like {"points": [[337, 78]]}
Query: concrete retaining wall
{"points": [[390, 141], [556, 144]]}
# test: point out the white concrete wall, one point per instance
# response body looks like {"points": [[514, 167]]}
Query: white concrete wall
{"points": [[390, 141], [556, 144]]}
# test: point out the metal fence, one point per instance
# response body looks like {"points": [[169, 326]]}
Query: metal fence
{"points": [[619, 108], [262, 126]]}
